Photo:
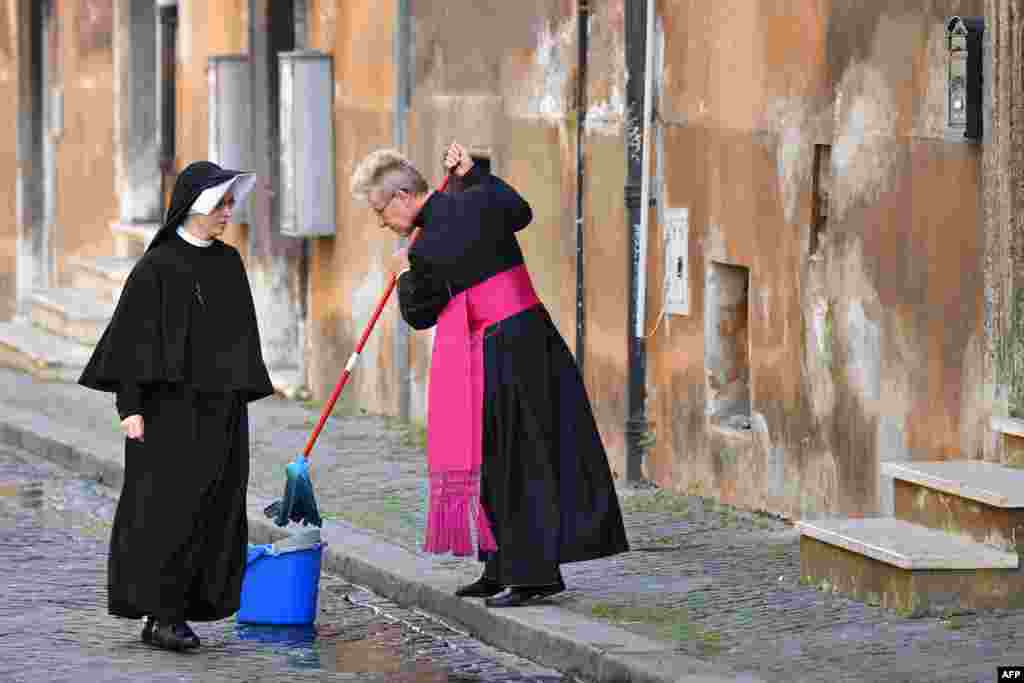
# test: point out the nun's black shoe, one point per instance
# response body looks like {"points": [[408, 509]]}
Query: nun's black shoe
{"points": [[147, 631], [170, 636], [481, 588], [522, 595]]}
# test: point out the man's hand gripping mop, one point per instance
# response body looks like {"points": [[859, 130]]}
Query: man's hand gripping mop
{"points": [[299, 504]]}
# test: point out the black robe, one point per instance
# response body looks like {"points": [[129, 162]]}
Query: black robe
{"points": [[546, 483], [183, 351]]}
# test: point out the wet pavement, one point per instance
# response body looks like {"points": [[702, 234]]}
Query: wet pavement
{"points": [[54, 626]]}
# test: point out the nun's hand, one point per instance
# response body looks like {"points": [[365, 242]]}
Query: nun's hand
{"points": [[457, 160], [133, 427], [399, 262]]}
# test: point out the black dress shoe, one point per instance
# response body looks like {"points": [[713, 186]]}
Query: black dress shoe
{"points": [[481, 588], [147, 631], [171, 636], [189, 634], [522, 595]]}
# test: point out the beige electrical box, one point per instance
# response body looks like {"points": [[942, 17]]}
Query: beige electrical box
{"points": [[307, 144]]}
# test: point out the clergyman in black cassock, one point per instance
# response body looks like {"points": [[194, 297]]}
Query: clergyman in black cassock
{"points": [[546, 484], [182, 352]]}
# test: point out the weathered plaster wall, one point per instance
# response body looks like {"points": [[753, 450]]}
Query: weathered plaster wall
{"points": [[205, 29], [498, 80], [505, 80], [606, 276], [606, 239], [8, 153], [84, 72], [346, 273], [1002, 355], [502, 81], [863, 354]]}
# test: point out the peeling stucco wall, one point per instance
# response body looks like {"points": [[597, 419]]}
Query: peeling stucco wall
{"points": [[862, 162], [867, 351], [205, 29], [505, 80], [346, 276], [1002, 204]]}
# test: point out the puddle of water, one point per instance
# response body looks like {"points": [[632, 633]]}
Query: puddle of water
{"points": [[321, 647], [287, 636], [381, 653], [297, 643]]}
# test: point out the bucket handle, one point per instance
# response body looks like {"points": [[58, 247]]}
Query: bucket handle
{"points": [[257, 551]]}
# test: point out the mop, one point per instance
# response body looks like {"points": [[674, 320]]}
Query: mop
{"points": [[299, 504]]}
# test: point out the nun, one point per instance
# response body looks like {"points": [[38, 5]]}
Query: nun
{"points": [[518, 472], [182, 354]]}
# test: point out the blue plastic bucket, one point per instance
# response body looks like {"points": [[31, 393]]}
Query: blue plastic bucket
{"points": [[281, 586]]}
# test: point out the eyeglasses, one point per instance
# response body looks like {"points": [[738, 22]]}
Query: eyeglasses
{"points": [[380, 211]]}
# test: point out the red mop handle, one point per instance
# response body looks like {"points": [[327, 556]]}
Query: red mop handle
{"points": [[359, 347]]}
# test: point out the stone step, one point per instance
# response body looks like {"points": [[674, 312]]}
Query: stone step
{"points": [[105, 275], [1011, 431], [980, 501], [905, 566], [1007, 425], [50, 357], [46, 356], [131, 239], [68, 312], [906, 545]]}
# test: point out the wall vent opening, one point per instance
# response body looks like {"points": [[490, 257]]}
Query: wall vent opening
{"points": [[821, 191], [727, 345]]}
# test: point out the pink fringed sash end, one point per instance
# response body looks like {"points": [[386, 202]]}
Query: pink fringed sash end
{"points": [[454, 510]]}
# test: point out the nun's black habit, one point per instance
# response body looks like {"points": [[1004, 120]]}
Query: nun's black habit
{"points": [[545, 480], [183, 351]]}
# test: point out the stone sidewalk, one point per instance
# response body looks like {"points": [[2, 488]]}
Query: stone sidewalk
{"points": [[708, 593]]}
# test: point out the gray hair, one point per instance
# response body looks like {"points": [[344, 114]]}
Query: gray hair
{"points": [[385, 171]]}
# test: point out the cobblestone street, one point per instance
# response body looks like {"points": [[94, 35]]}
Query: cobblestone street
{"points": [[715, 582], [54, 625]]}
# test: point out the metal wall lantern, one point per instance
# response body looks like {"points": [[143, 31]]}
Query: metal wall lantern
{"points": [[307, 144], [230, 140], [964, 76]]}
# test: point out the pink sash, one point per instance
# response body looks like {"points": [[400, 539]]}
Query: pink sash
{"points": [[455, 408]]}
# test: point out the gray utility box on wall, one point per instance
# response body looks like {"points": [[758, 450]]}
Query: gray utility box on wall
{"points": [[230, 143], [307, 144]]}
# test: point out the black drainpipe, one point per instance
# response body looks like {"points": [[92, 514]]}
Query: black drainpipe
{"points": [[582, 29], [636, 420]]}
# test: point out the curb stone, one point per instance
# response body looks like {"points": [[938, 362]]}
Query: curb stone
{"points": [[577, 646]]}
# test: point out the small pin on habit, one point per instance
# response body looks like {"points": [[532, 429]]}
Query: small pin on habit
{"points": [[199, 296]]}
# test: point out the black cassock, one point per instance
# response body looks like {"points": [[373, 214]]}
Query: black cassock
{"points": [[182, 350], [546, 483]]}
